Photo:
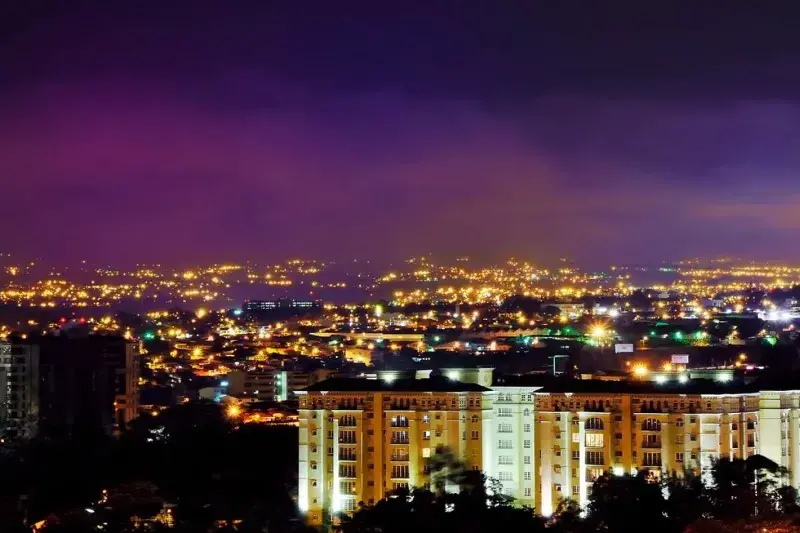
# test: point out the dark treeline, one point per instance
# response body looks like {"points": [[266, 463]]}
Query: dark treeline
{"points": [[213, 476], [740, 495], [191, 459]]}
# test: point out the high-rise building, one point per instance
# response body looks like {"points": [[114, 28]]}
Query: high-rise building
{"points": [[19, 390], [360, 439], [65, 385]]}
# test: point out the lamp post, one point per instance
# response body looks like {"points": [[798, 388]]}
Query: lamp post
{"points": [[555, 358]]}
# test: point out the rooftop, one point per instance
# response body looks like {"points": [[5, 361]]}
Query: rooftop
{"points": [[432, 384]]}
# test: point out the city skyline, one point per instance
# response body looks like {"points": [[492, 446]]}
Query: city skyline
{"points": [[254, 132]]}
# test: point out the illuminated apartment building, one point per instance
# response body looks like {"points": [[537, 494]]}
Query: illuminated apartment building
{"points": [[360, 439]]}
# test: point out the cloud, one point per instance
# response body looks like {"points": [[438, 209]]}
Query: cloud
{"points": [[143, 170]]}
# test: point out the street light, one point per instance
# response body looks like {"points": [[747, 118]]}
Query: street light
{"points": [[554, 358]]}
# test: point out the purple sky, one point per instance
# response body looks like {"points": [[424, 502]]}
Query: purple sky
{"points": [[206, 134]]}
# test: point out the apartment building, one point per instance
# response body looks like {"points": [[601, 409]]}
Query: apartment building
{"points": [[19, 390], [545, 441], [360, 438]]}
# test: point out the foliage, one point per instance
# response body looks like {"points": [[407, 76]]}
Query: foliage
{"points": [[190, 456]]}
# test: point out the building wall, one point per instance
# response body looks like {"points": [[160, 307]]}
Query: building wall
{"points": [[19, 390], [541, 446], [357, 447]]}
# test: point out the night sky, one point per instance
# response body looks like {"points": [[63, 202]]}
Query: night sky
{"points": [[230, 130]]}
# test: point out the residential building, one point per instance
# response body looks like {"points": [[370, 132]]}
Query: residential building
{"points": [[360, 439], [71, 384], [543, 441], [19, 390]]}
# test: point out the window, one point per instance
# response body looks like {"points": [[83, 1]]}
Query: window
{"points": [[505, 476], [399, 422], [399, 471], [526, 444], [652, 441], [651, 424], [349, 504], [347, 487], [593, 424], [505, 460], [576, 454], [557, 469], [576, 438], [594, 440], [400, 454], [504, 445], [347, 470], [595, 457], [526, 460], [528, 492], [330, 451], [527, 476], [679, 457], [347, 437], [426, 435], [526, 427], [426, 452], [651, 459], [426, 419], [475, 419], [504, 412], [504, 428], [576, 490], [679, 422], [399, 437], [557, 487], [526, 412]]}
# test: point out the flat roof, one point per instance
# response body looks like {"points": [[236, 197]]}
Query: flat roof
{"points": [[432, 384]]}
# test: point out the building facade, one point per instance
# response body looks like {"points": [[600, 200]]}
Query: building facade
{"points": [[19, 390], [61, 386], [360, 439]]}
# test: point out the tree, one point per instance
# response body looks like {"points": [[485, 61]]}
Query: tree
{"points": [[745, 487], [687, 500], [423, 511], [621, 504]]}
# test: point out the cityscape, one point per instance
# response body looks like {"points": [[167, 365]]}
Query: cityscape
{"points": [[361, 268]]}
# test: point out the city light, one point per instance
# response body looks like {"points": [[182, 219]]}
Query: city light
{"points": [[640, 370]]}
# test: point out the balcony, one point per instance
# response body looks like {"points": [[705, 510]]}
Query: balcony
{"points": [[651, 443]]}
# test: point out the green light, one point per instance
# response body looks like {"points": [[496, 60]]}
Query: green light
{"points": [[652, 333], [699, 334], [772, 341], [436, 338], [678, 335], [149, 335]]}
